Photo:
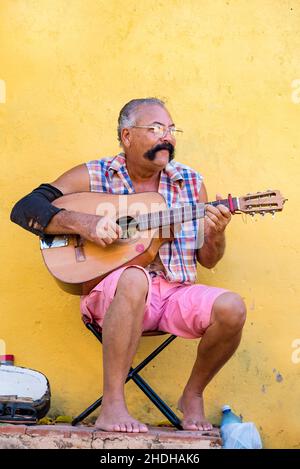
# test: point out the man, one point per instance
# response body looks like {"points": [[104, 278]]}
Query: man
{"points": [[165, 296]]}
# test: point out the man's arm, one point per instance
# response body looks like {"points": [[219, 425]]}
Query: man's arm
{"points": [[100, 230], [215, 221]]}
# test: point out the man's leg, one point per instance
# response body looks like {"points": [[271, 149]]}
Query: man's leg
{"points": [[217, 345], [122, 329]]}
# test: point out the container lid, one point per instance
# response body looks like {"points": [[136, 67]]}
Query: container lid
{"points": [[226, 407], [7, 357]]}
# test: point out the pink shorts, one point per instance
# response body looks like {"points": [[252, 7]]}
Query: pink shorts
{"points": [[180, 309]]}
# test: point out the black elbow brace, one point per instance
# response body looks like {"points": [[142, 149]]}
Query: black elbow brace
{"points": [[34, 211]]}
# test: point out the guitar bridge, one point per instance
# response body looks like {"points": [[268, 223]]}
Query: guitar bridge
{"points": [[79, 249]]}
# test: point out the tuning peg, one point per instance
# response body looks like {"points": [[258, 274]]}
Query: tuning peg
{"points": [[262, 214]]}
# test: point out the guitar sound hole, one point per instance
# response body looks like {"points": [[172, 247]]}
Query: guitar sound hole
{"points": [[129, 227]]}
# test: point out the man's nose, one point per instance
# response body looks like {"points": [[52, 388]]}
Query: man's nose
{"points": [[168, 137]]}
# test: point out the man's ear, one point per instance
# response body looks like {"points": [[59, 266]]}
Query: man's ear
{"points": [[126, 138]]}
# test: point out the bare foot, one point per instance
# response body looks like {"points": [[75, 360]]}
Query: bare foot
{"points": [[115, 418], [192, 407]]}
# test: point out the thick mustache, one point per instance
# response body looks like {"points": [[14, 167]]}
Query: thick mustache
{"points": [[150, 154]]}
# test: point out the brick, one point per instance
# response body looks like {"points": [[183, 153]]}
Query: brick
{"points": [[13, 429], [55, 442], [188, 436], [44, 442], [128, 443], [163, 429], [186, 439], [79, 443], [154, 432], [117, 443], [83, 434], [11, 442], [49, 430], [81, 431], [139, 443], [103, 435], [117, 435], [217, 444], [97, 443], [132, 436], [201, 444]]}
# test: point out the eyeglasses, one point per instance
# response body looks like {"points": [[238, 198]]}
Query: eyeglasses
{"points": [[159, 131]]}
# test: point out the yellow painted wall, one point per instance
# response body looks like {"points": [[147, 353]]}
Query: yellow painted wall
{"points": [[230, 72]]}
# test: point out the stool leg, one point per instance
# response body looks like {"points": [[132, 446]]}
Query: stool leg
{"points": [[153, 354], [87, 411], [157, 401], [140, 382]]}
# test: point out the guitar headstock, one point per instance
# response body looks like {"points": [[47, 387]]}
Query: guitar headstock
{"points": [[261, 202]]}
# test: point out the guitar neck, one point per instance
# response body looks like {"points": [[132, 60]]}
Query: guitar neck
{"points": [[184, 213]]}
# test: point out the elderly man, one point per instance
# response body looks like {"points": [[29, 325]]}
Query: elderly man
{"points": [[165, 296]]}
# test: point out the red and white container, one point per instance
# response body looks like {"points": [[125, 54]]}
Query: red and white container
{"points": [[7, 359]]}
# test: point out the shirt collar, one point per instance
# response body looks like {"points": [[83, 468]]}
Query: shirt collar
{"points": [[119, 162], [173, 173]]}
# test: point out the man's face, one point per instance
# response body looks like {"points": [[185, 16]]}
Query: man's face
{"points": [[145, 146]]}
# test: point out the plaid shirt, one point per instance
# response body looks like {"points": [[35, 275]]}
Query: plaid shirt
{"points": [[179, 185]]}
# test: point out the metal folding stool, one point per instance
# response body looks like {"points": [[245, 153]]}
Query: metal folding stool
{"points": [[139, 381]]}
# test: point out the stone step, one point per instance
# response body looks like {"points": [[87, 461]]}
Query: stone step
{"points": [[82, 436]]}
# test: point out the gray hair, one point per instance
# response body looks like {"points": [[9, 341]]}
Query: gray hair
{"points": [[127, 116]]}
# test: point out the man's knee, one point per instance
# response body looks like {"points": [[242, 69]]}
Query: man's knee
{"points": [[230, 310], [133, 285]]}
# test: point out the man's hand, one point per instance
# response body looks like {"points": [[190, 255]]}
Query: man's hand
{"points": [[99, 230], [216, 219], [105, 231]]}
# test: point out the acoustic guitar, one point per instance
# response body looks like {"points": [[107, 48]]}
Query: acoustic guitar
{"points": [[146, 221]]}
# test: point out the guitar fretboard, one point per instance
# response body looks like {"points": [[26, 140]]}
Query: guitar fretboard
{"points": [[179, 214]]}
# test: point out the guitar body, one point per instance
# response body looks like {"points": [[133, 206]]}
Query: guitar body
{"points": [[146, 222], [79, 265]]}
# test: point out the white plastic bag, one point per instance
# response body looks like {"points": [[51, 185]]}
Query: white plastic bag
{"points": [[241, 436]]}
